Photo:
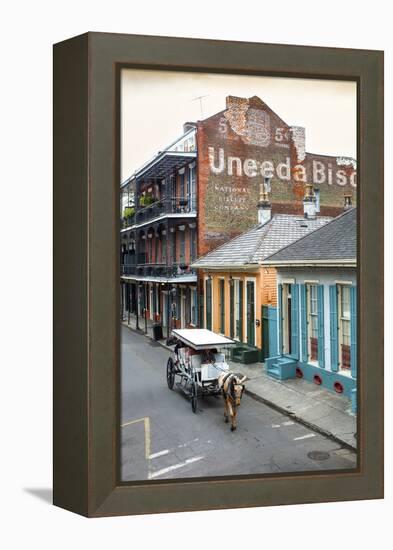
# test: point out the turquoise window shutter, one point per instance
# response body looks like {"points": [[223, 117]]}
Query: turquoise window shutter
{"points": [[353, 298], [295, 321], [333, 327], [280, 317], [303, 317], [273, 326], [321, 332]]}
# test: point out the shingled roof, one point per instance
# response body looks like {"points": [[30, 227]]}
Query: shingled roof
{"points": [[335, 241], [260, 242]]}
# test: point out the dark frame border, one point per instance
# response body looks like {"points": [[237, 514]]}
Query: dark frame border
{"points": [[86, 272]]}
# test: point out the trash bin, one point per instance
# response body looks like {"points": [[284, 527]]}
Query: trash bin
{"points": [[157, 331]]}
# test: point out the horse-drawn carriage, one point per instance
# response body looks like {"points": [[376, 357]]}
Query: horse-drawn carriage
{"points": [[197, 361]]}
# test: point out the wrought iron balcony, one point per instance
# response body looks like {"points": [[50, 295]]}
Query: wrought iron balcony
{"points": [[127, 222], [157, 270], [173, 205], [128, 269]]}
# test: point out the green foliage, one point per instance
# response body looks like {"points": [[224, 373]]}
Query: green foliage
{"points": [[129, 212], [146, 200]]}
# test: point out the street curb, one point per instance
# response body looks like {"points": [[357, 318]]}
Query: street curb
{"points": [[278, 408], [310, 425]]}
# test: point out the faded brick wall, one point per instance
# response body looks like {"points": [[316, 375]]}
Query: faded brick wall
{"points": [[237, 148]]}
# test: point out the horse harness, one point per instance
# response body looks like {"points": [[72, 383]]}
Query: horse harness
{"points": [[228, 385]]}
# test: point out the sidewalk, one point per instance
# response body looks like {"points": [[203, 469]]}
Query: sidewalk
{"points": [[319, 409]]}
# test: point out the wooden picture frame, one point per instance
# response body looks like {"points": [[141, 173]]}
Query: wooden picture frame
{"points": [[86, 305]]}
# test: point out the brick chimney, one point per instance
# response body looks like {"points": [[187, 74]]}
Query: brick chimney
{"points": [[264, 206], [310, 203]]}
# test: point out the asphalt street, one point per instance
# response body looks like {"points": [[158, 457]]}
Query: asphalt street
{"points": [[161, 438]]}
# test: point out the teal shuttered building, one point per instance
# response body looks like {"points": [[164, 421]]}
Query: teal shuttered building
{"points": [[317, 308]]}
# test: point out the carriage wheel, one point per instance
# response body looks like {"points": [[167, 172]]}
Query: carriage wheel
{"points": [[170, 373], [194, 397]]}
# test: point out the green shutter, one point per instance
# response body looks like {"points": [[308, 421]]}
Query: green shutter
{"points": [[321, 333], [333, 327], [241, 311], [295, 321], [208, 304], [222, 306], [280, 319], [232, 308], [303, 317], [250, 313], [353, 297]]}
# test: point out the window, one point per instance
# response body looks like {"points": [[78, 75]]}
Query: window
{"points": [[192, 244], [344, 313], [182, 186], [163, 249], [157, 249], [173, 247], [192, 187], [312, 320], [182, 238]]}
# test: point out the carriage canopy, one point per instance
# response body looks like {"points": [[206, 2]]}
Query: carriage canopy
{"points": [[201, 338]]}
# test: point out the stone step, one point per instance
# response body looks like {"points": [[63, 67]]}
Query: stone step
{"points": [[274, 370]]}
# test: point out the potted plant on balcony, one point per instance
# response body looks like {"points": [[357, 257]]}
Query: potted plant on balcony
{"points": [[128, 213], [146, 200]]}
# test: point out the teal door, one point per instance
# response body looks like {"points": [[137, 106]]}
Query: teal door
{"points": [[251, 313]]}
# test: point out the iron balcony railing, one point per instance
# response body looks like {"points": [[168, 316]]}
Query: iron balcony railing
{"points": [[157, 270], [127, 222], [173, 205]]}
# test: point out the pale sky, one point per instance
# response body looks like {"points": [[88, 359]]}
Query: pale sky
{"points": [[155, 104]]}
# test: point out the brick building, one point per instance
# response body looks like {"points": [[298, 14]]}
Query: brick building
{"points": [[203, 190]]}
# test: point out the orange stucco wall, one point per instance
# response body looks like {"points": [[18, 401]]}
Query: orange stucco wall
{"points": [[265, 294]]}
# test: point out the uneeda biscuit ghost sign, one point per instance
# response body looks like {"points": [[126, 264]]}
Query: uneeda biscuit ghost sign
{"points": [[238, 148]]}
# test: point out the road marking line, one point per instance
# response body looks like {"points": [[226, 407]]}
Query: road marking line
{"points": [[132, 422], [289, 423], [174, 467], [160, 453], [304, 437], [146, 421], [147, 437], [276, 425]]}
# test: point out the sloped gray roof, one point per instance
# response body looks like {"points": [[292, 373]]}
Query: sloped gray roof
{"points": [[261, 241], [334, 241]]}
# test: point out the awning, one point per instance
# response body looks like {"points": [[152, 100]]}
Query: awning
{"points": [[165, 164]]}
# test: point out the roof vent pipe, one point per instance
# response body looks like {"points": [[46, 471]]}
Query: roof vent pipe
{"points": [[264, 206], [348, 202], [310, 203]]}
